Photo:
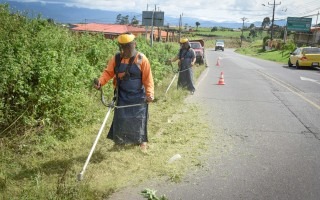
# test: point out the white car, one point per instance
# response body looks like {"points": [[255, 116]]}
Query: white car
{"points": [[219, 45]]}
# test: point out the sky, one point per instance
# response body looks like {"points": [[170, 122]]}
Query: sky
{"points": [[220, 11]]}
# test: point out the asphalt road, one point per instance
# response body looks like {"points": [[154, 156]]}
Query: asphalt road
{"points": [[266, 126]]}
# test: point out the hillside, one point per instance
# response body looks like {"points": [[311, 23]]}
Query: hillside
{"points": [[64, 14]]}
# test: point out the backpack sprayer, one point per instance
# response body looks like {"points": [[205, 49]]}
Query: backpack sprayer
{"points": [[111, 106]]}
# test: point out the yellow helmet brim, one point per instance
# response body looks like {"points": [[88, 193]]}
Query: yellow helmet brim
{"points": [[183, 40], [125, 38]]}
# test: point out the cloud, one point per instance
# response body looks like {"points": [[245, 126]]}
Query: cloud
{"points": [[227, 10]]}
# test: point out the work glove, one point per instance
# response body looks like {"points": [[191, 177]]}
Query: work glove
{"points": [[96, 84]]}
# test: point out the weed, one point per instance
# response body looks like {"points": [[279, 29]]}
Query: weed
{"points": [[151, 195]]}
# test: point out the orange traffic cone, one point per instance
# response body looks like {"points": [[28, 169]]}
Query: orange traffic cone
{"points": [[221, 80], [218, 62]]}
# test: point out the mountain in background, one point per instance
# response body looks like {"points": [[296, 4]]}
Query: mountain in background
{"points": [[65, 14]]}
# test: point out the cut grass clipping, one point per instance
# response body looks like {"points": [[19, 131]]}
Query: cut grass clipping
{"points": [[151, 195]]}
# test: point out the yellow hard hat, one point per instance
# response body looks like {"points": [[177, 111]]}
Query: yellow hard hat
{"points": [[126, 38], [184, 40]]}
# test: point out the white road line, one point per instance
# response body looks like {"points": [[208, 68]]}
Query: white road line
{"points": [[288, 88]]}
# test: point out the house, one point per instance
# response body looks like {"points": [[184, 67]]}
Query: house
{"points": [[110, 31], [167, 35], [311, 38], [316, 34]]}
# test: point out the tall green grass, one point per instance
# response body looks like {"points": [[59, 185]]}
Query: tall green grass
{"points": [[40, 167], [50, 115], [255, 49]]}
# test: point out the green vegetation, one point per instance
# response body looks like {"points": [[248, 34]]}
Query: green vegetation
{"points": [[151, 195], [231, 37], [47, 72], [252, 44], [50, 116], [255, 49]]}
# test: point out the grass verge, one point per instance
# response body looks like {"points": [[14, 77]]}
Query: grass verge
{"points": [[255, 50], [42, 167]]}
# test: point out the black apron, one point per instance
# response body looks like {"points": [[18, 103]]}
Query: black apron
{"points": [[185, 79], [129, 125]]}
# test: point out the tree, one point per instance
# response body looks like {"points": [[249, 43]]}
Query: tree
{"points": [[265, 22], [134, 21], [214, 29], [125, 20], [51, 21], [253, 33], [197, 24], [251, 26], [118, 20]]}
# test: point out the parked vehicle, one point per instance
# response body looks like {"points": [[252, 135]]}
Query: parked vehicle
{"points": [[305, 57], [198, 46], [219, 45]]}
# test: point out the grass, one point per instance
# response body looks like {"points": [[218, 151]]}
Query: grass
{"points": [[42, 167], [255, 49]]}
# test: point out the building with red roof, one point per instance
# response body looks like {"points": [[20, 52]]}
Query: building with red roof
{"points": [[110, 31]]}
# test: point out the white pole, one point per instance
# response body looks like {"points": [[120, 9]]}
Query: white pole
{"points": [[80, 175], [171, 83]]}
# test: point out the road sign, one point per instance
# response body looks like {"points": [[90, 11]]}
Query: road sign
{"points": [[299, 24], [156, 16]]}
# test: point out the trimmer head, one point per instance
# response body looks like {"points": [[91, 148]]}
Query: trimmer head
{"points": [[80, 176]]}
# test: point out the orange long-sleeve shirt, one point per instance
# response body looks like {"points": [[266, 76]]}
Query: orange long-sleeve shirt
{"points": [[147, 78]]}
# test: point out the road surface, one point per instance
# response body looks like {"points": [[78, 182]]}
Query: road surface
{"points": [[266, 121]]}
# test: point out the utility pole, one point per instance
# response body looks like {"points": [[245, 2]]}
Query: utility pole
{"points": [[180, 25], [241, 37], [315, 38], [152, 21], [147, 26], [272, 22]]}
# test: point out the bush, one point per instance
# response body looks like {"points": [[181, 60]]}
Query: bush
{"points": [[289, 46], [264, 42], [47, 72]]}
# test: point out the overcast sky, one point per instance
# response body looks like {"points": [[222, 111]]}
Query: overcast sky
{"points": [[223, 10]]}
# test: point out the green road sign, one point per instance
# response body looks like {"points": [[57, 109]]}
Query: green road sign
{"points": [[299, 24]]}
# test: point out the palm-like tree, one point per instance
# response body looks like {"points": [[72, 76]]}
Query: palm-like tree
{"points": [[197, 24]]}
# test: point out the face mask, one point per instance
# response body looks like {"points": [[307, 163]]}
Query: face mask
{"points": [[184, 45], [127, 50]]}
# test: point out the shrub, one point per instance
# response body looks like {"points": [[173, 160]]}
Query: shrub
{"points": [[47, 72]]}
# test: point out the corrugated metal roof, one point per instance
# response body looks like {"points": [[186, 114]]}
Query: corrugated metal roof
{"points": [[108, 28]]}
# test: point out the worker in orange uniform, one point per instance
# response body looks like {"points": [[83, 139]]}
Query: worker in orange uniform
{"points": [[134, 89]]}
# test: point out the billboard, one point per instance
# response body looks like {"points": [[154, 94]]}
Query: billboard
{"points": [[158, 18], [299, 24]]}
